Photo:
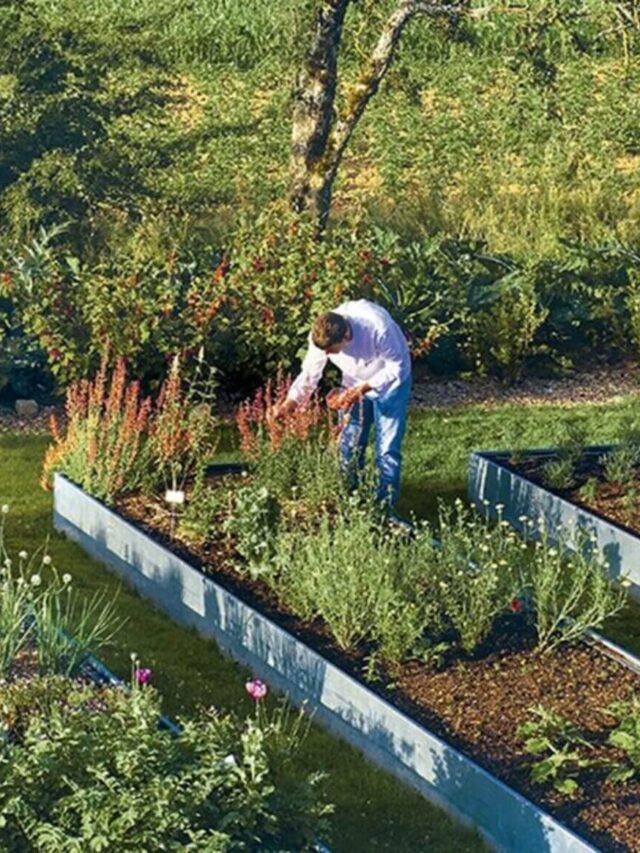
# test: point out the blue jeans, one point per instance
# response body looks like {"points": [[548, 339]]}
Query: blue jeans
{"points": [[389, 413]]}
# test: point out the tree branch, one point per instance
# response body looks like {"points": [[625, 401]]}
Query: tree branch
{"points": [[382, 57]]}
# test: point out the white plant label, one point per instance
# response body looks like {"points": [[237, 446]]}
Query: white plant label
{"points": [[174, 496]]}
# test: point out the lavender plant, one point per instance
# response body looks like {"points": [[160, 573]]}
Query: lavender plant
{"points": [[570, 588], [620, 465], [560, 472]]}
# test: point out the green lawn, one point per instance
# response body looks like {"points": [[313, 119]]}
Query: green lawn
{"points": [[373, 811]]}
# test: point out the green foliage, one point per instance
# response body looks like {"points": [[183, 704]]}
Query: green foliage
{"points": [[620, 465], [68, 627], [23, 364], [363, 580], [204, 509], [97, 770], [503, 330], [589, 489], [412, 596], [24, 699], [253, 524], [14, 608], [570, 594], [506, 196], [41, 612], [565, 748], [626, 737], [148, 310], [477, 571], [560, 471], [561, 745]]}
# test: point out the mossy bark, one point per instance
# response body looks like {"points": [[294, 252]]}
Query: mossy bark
{"points": [[319, 136]]}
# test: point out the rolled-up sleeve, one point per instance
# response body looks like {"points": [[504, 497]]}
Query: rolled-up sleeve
{"points": [[307, 380], [391, 347]]}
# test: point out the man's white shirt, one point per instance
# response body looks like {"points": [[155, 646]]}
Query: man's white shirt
{"points": [[377, 354]]}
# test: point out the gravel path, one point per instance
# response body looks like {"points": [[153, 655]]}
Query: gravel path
{"points": [[11, 423], [602, 385]]}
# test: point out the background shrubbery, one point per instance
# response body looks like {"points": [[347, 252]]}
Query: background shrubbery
{"points": [[490, 195]]}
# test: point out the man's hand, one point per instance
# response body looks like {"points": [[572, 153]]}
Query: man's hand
{"points": [[283, 409], [345, 399]]}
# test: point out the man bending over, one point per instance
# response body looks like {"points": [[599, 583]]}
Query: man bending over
{"points": [[362, 339]]}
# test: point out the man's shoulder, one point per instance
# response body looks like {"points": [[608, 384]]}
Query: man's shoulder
{"points": [[363, 308]]}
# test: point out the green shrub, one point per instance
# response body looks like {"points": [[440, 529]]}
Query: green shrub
{"points": [[97, 771], [253, 524], [478, 570], [570, 594], [503, 329]]}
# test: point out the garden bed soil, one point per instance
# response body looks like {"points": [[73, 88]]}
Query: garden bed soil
{"points": [[477, 703], [609, 501]]}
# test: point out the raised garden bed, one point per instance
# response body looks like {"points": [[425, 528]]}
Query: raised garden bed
{"points": [[450, 734], [515, 483]]}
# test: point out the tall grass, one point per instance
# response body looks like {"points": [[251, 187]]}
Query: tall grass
{"points": [[239, 33]]}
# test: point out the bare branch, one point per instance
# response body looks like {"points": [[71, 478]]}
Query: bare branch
{"points": [[379, 63]]}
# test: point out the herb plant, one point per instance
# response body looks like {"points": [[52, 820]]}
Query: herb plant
{"points": [[620, 465], [571, 590], [626, 737], [560, 472], [253, 524], [560, 747]]}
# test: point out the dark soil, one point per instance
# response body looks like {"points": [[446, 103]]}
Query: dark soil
{"points": [[611, 501], [475, 703]]}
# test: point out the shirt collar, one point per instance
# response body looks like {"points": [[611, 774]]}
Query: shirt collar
{"points": [[353, 343]]}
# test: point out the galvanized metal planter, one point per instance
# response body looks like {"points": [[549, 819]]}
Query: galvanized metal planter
{"points": [[347, 707], [490, 480]]}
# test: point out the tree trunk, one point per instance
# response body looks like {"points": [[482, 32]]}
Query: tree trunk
{"points": [[314, 109], [319, 136]]}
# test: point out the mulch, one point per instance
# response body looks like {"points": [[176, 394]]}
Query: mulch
{"points": [[10, 423], [611, 501]]}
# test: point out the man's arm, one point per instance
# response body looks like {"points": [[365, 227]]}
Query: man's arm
{"points": [[307, 380]]}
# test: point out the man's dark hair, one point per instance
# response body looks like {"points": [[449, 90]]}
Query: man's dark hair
{"points": [[329, 329]]}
